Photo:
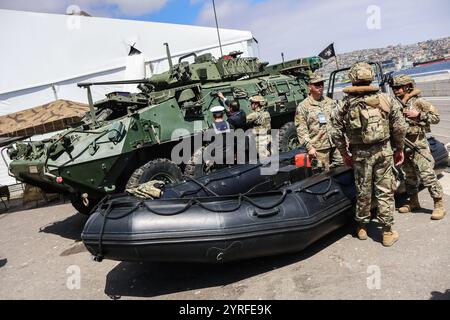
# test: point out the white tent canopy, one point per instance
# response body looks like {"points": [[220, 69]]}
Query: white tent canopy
{"points": [[44, 56]]}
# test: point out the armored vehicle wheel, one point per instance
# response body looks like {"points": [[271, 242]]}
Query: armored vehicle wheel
{"points": [[159, 169], [288, 137], [77, 203]]}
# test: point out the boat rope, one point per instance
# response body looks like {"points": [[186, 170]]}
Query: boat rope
{"points": [[234, 175], [203, 186], [259, 185], [194, 201], [99, 256], [320, 193], [282, 198]]}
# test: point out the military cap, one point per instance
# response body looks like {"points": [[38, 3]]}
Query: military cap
{"points": [[217, 109], [258, 99], [361, 73], [316, 78], [403, 80]]}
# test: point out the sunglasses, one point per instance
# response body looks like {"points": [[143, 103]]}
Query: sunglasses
{"points": [[318, 85]]}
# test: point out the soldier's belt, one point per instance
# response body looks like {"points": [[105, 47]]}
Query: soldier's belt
{"points": [[380, 143]]}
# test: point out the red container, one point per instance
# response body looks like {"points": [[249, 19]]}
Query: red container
{"points": [[302, 160]]}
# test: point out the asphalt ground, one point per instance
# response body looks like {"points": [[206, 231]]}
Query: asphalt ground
{"points": [[42, 257]]}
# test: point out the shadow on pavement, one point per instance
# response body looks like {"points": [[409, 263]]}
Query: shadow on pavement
{"points": [[69, 228], [16, 205], [149, 279], [400, 200], [440, 296], [3, 262]]}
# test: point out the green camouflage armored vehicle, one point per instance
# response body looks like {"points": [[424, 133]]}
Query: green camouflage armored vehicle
{"points": [[126, 138]]}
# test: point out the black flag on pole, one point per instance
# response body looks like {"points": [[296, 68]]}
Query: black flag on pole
{"points": [[328, 52]]}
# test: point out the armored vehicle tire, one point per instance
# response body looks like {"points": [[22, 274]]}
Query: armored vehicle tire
{"points": [[288, 137], [159, 169], [77, 203]]}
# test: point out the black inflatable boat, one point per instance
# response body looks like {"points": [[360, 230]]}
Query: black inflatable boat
{"points": [[248, 178], [440, 154], [267, 215], [255, 215]]}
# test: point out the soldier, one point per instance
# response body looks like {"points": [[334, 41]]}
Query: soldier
{"points": [[235, 116], [313, 121], [220, 125], [419, 114], [370, 120], [259, 121], [219, 138]]}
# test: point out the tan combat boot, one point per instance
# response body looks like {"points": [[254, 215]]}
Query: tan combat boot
{"points": [[411, 205], [389, 238], [439, 210], [361, 232]]}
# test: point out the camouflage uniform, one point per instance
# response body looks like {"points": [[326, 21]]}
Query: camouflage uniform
{"points": [[313, 121], [416, 166], [260, 122], [370, 120], [148, 190]]}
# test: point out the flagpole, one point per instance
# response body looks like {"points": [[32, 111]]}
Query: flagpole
{"points": [[335, 58]]}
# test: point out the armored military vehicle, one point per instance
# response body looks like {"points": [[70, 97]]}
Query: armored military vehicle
{"points": [[126, 139]]}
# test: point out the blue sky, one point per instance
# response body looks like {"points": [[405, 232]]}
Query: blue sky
{"points": [[296, 27], [178, 11]]}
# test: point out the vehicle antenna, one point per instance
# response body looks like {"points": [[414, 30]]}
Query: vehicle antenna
{"points": [[169, 56], [217, 26]]}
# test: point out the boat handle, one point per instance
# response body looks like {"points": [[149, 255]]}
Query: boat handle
{"points": [[330, 194], [267, 213]]}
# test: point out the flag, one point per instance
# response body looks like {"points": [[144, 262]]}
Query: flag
{"points": [[328, 52]]}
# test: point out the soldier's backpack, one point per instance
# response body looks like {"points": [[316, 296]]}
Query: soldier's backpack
{"points": [[368, 117]]}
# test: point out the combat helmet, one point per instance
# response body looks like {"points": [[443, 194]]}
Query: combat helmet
{"points": [[258, 99], [361, 73], [316, 78], [403, 80]]}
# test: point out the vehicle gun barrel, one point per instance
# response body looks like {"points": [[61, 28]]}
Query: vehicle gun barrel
{"points": [[88, 84]]}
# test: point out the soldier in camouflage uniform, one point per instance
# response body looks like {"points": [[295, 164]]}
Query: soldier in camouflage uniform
{"points": [[419, 114], [259, 122], [370, 120], [313, 121]]}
